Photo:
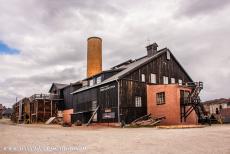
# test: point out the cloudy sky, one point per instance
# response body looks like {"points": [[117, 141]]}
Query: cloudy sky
{"points": [[44, 41]]}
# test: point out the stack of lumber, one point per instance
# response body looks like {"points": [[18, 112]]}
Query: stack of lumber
{"points": [[147, 120]]}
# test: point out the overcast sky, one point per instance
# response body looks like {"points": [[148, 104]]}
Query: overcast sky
{"points": [[44, 41]]}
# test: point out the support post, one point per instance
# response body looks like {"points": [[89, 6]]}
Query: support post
{"points": [[118, 102], [44, 110], [36, 111], [51, 108]]}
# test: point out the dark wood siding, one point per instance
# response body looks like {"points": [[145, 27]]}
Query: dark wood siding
{"points": [[84, 100], [68, 97], [107, 99], [161, 67], [130, 87], [128, 91], [105, 96]]}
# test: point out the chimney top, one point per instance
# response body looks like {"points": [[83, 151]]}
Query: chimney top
{"points": [[94, 37], [152, 49]]}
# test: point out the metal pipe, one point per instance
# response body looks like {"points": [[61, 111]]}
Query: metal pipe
{"points": [[118, 102]]}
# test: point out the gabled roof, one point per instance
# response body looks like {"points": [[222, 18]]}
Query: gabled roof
{"points": [[7, 111], [217, 101], [58, 86], [130, 66]]}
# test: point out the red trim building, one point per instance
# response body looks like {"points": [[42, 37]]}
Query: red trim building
{"points": [[166, 100]]}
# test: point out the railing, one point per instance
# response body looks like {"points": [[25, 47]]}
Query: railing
{"points": [[44, 96], [54, 96], [193, 100]]}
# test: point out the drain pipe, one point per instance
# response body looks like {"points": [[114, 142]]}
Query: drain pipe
{"points": [[118, 102]]}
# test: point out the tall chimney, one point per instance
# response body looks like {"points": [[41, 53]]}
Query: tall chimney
{"points": [[94, 56], [152, 49]]}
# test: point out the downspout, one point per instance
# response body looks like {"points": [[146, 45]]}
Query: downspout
{"points": [[118, 102]]}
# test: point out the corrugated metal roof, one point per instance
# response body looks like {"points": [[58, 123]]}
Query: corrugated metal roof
{"points": [[135, 64], [217, 101], [58, 86], [7, 111]]}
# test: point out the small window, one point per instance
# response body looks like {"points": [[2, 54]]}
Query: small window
{"points": [[85, 83], [160, 98], [94, 105], [173, 81], [138, 102], [165, 80], [228, 104], [217, 111], [221, 107], [142, 77], [91, 82], [180, 82], [99, 79], [153, 78]]}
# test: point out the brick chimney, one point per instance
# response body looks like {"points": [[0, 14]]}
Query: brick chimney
{"points": [[94, 56], [151, 49]]}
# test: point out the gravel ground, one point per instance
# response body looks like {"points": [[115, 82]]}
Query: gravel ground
{"points": [[54, 139]]}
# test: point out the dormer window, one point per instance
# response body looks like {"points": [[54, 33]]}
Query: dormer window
{"points": [[85, 83], [98, 79], [91, 82]]}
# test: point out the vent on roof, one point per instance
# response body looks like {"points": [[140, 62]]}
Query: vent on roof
{"points": [[151, 49]]}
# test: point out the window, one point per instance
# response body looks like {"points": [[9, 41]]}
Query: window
{"points": [[91, 82], [184, 96], [173, 81], [217, 111], [142, 77], [138, 102], [153, 78], [94, 105], [165, 80], [160, 98], [228, 104], [180, 82], [221, 107], [85, 83], [99, 79]]}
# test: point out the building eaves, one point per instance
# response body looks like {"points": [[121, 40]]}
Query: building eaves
{"points": [[132, 66]]}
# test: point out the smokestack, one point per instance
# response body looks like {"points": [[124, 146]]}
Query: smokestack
{"points": [[152, 49], [94, 56]]}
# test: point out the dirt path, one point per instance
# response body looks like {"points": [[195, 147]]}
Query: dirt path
{"points": [[214, 139]]}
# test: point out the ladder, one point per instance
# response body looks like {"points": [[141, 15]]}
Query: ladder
{"points": [[88, 123]]}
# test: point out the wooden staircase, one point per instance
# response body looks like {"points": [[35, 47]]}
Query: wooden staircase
{"points": [[193, 103]]}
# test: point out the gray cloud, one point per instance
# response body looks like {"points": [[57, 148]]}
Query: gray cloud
{"points": [[51, 36], [204, 7]]}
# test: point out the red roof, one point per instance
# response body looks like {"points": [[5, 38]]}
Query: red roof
{"points": [[218, 101], [225, 112]]}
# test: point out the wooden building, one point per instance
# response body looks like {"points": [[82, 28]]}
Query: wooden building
{"points": [[21, 110], [119, 94], [42, 107], [37, 108]]}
